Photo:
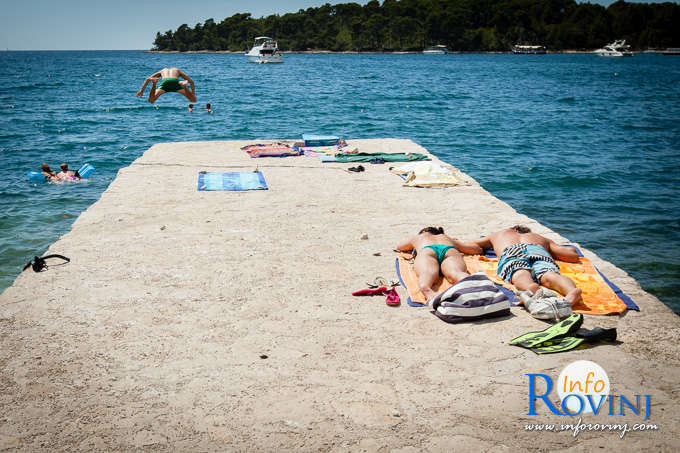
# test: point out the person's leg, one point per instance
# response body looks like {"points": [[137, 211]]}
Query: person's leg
{"points": [[563, 285], [186, 92], [154, 93], [427, 269], [453, 267], [523, 281]]}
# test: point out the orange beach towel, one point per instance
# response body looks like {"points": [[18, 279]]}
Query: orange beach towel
{"points": [[598, 297]]}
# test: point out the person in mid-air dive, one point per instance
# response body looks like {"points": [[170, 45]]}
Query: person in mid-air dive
{"points": [[170, 82]]}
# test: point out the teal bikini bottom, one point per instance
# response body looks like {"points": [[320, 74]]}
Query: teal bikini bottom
{"points": [[440, 250]]}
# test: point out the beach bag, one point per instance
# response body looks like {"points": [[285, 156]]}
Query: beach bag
{"points": [[472, 298]]}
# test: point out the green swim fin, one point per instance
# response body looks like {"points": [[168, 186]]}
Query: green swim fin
{"points": [[561, 329], [558, 345], [581, 337]]}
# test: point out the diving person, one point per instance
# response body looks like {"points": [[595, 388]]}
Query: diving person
{"points": [[170, 82]]}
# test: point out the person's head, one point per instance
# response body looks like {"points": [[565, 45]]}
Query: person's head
{"points": [[64, 167], [432, 230], [207, 106], [46, 168], [191, 106], [521, 229]]}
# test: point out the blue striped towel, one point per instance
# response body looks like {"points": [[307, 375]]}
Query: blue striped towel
{"points": [[251, 180]]}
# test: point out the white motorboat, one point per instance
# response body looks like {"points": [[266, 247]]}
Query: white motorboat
{"points": [[521, 49], [618, 48], [439, 49], [265, 50]]}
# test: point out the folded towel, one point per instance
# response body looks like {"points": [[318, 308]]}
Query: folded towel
{"points": [[271, 150], [429, 174], [471, 298]]}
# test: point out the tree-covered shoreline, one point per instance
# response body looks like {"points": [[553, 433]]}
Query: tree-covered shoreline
{"points": [[461, 25]]}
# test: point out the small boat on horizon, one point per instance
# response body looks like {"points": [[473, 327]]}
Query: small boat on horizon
{"points": [[265, 50], [618, 48], [522, 49], [439, 49]]}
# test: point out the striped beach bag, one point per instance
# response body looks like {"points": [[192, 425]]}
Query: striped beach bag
{"points": [[472, 298]]}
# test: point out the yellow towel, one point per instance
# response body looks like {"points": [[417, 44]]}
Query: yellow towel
{"points": [[429, 174]]}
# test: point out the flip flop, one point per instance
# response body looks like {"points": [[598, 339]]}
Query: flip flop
{"points": [[371, 292], [381, 281], [392, 298], [561, 329]]}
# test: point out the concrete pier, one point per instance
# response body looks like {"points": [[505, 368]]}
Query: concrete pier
{"points": [[222, 321]]}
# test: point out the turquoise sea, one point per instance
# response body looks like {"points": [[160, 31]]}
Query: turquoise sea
{"points": [[588, 146]]}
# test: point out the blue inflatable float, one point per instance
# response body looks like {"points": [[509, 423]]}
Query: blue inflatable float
{"points": [[37, 177]]}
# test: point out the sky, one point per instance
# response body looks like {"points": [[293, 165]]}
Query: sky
{"points": [[127, 24]]}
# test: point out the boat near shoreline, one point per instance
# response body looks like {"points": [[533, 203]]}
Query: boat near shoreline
{"points": [[439, 49], [265, 50], [618, 48], [520, 49]]}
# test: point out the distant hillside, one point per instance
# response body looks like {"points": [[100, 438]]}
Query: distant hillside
{"points": [[464, 25]]}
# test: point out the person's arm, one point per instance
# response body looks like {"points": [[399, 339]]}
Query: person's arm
{"points": [[468, 247], [140, 93], [564, 253], [188, 79], [405, 246]]}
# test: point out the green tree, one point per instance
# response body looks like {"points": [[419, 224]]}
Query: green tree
{"points": [[460, 24]]}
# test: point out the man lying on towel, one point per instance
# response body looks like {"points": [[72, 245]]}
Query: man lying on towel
{"points": [[527, 260], [435, 251]]}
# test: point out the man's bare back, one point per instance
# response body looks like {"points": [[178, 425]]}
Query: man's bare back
{"points": [[170, 72], [501, 240]]}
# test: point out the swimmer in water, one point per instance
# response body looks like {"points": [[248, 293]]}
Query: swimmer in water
{"points": [[208, 108], [47, 172], [191, 108], [67, 175], [169, 83]]}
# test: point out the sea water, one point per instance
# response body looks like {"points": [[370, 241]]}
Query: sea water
{"points": [[588, 146]]}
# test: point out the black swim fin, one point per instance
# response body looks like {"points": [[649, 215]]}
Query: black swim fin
{"points": [[581, 338], [596, 334], [561, 329]]}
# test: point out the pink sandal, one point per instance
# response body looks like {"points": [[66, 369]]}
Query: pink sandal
{"points": [[371, 292], [392, 298]]}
